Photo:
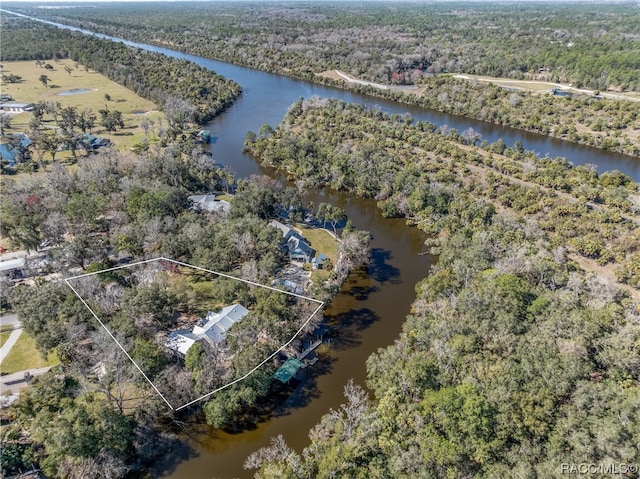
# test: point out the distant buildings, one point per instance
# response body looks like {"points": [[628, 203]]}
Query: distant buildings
{"points": [[212, 328], [13, 151], [16, 107]]}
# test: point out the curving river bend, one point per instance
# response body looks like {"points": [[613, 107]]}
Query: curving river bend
{"points": [[369, 313]]}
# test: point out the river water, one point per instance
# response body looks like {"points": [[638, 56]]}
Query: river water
{"points": [[369, 312]]}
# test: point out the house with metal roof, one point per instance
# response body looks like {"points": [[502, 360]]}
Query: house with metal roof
{"points": [[16, 107], [209, 203], [298, 247], [213, 328], [288, 370], [12, 152]]}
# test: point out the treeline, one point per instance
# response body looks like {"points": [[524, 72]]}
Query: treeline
{"points": [[201, 93], [420, 45], [591, 120], [514, 361], [95, 415], [592, 46]]}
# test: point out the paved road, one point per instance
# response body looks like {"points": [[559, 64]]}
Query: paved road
{"points": [[9, 320], [11, 384]]}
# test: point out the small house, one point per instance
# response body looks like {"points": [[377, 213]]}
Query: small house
{"points": [[96, 142], [12, 152], [13, 268], [16, 107]]}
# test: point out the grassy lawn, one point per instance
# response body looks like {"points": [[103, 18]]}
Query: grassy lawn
{"points": [[204, 291], [324, 243], [321, 240], [4, 335], [24, 355], [31, 90], [225, 197]]}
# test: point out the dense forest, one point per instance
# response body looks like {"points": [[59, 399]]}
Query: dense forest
{"points": [[186, 91], [594, 46], [611, 124], [518, 356]]}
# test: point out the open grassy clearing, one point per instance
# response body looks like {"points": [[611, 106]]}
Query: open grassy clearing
{"points": [[225, 197], [24, 355], [31, 90], [204, 292]]}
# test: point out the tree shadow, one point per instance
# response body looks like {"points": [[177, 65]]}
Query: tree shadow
{"points": [[281, 400], [349, 324], [380, 270], [170, 457], [361, 293]]}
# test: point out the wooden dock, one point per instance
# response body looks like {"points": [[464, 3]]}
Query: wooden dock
{"points": [[311, 348]]}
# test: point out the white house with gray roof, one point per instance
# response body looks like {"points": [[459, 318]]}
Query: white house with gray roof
{"points": [[209, 203], [212, 328]]}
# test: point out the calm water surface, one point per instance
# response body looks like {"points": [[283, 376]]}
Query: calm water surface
{"points": [[369, 312]]}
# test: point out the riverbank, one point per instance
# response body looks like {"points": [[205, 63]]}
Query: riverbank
{"points": [[532, 86], [309, 84]]}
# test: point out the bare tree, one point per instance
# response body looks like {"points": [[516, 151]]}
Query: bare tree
{"points": [[350, 414], [278, 451]]}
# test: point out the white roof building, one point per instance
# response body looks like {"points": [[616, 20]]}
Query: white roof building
{"points": [[213, 328], [209, 203], [12, 264]]}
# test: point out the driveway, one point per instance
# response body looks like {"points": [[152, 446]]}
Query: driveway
{"points": [[9, 320], [9, 343]]}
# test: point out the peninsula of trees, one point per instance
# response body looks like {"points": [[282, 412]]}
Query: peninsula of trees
{"points": [[95, 415]]}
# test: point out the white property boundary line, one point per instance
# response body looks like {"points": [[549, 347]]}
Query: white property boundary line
{"points": [[162, 258]]}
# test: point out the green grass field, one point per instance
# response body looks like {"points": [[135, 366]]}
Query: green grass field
{"points": [[321, 240], [31, 90], [24, 355]]}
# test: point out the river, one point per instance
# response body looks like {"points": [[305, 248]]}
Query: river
{"points": [[369, 312]]}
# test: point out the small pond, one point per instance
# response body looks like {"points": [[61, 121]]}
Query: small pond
{"points": [[75, 91]]}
